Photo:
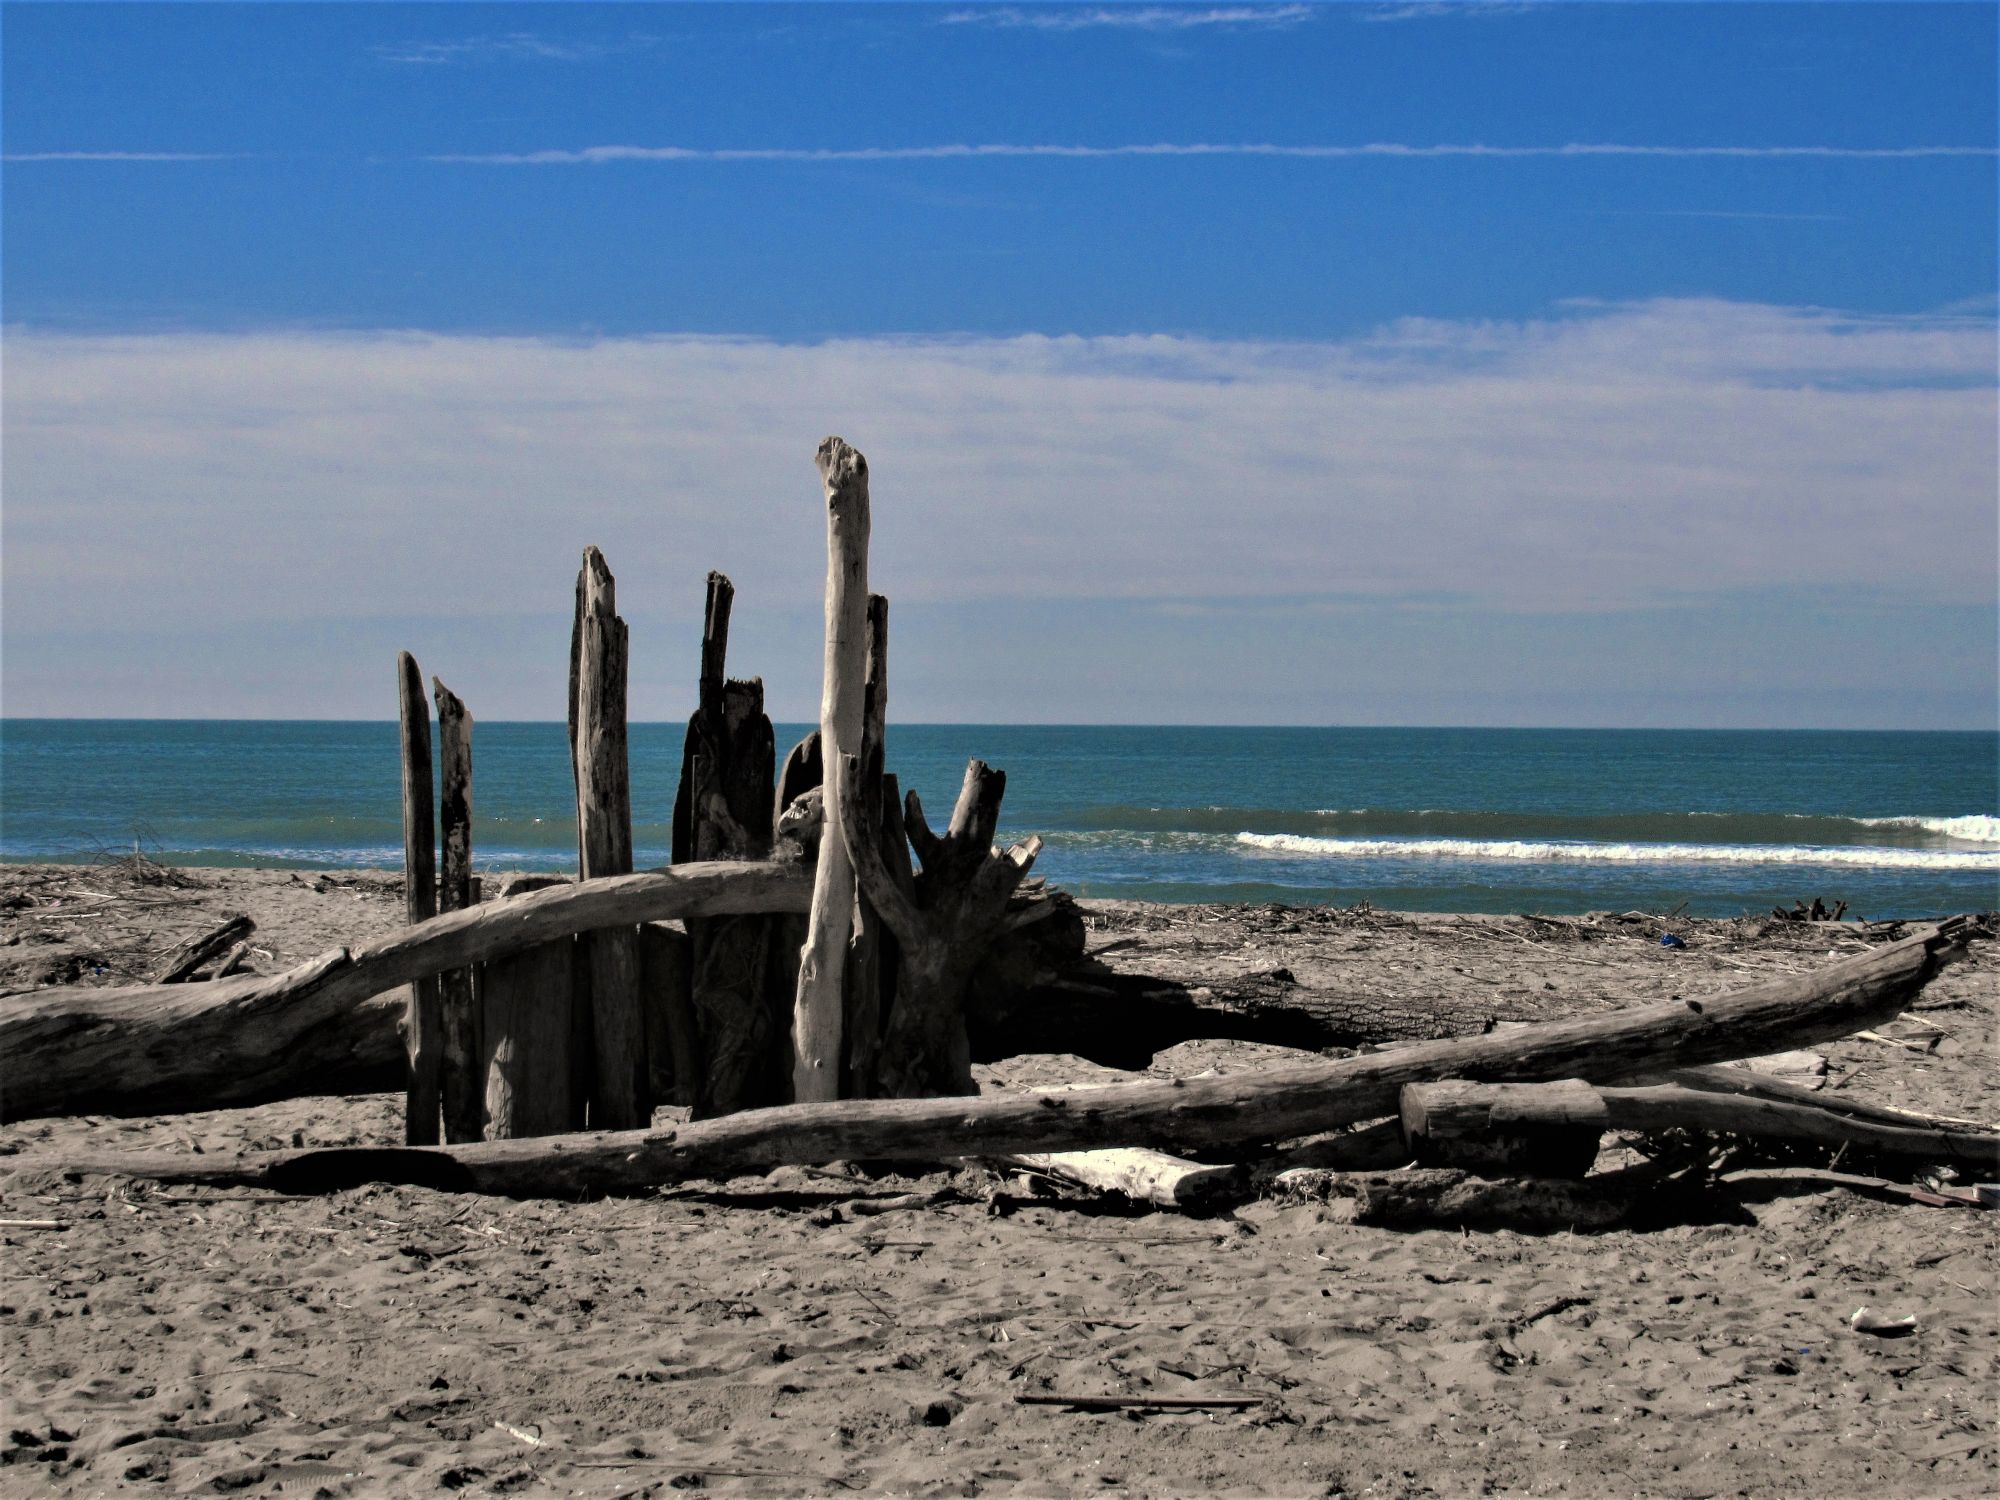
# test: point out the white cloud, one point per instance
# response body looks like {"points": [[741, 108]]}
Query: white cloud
{"points": [[965, 151], [514, 46], [139, 156], [1605, 457], [1131, 17]]}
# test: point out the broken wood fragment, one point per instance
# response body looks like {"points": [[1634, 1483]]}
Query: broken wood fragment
{"points": [[190, 954]]}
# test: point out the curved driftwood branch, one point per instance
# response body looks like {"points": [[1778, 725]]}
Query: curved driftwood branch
{"points": [[156, 1048], [1262, 1105]]}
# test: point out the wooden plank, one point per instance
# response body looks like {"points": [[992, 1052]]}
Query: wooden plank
{"points": [[459, 1066], [817, 1009], [424, 1028], [619, 1083]]}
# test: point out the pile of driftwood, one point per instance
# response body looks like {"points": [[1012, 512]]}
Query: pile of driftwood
{"points": [[809, 992]]}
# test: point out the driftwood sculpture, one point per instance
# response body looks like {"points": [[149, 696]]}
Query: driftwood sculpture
{"points": [[326, 1025], [1229, 1110], [944, 917]]}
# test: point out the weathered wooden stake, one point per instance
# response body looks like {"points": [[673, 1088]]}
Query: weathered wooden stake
{"points": [[816, 1012], [460, 1064], [423, 1033], [722, 812], [525, 1041], [861, 1022], [619, 1088]]}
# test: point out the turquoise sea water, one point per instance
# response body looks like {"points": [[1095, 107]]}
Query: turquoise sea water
{"points": [[1551, 820]]}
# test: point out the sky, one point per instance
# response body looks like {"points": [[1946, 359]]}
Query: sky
{"points": [[1490, 363]]}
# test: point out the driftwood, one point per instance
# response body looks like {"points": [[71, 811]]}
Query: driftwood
{"points": [[723, 811], [460, 1067], [944, 919], [619, 1097], [317, 1028], [1267, 1104], [423, 1026], [1540, 1129], [817, 1010], [185, 957], [1553, 1129], [1143, 1176], [1444, 1198], [861, 987], [526, 1035]]}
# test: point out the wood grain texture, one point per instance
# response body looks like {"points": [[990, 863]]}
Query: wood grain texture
{"points": [[817, 1008]]}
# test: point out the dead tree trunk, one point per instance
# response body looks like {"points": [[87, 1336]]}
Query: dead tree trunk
{"points": [[944, 920], [424, 1028], [619, 1098], [456, 1005], [723, 812], [1232, 1109], [817, 1012]]}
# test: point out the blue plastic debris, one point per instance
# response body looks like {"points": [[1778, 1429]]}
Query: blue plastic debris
{"points": [[1668, 940]]}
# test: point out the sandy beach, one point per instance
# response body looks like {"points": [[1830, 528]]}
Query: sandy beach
{"points": [[770, 1335]]}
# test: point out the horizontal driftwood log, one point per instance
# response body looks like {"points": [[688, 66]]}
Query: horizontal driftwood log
{"points": [[1267, 1104], [1445, 1198], [1143, 1176], [321, 1027]]}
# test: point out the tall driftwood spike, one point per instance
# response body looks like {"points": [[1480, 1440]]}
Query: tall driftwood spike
{"points": [[861, 988], [459, 1021], [720, 812], [423, 1034], [816, 1011], [619, 1088]]}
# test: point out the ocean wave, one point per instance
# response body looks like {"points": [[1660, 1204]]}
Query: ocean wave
{"points": [[1620, 853], [1971, 828]]}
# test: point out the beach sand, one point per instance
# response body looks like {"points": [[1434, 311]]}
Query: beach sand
{"points": [[763, 1336]]}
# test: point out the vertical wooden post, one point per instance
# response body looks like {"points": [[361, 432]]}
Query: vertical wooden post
{"points": [[816, 1011], [861, 1022], [524, 1041], [620, 1098], [461, 1090], [721, 813], [422, 1032]]}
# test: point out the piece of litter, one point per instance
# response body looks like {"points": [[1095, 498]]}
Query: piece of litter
{"points": [[1867, 1320], [532, 1439]]}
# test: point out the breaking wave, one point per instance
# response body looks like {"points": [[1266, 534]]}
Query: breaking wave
{"points": [[1549, 850]]}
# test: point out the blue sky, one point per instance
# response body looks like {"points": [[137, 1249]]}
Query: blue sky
{"points": [[1380, 363]]}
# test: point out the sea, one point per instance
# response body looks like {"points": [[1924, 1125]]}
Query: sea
{"points": [[1714, 822]]}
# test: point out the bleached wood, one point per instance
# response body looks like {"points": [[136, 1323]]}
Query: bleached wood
{"points": [[816, 1012], [619, 1083], [1230, 1109], [1143, 1176], [153, 1049]]}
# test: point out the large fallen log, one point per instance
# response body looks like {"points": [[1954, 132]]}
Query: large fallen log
{"points": [[325, 1026], [1267, 1104], [1553, 1129]]}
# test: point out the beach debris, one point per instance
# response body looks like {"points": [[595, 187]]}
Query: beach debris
{"points": [[191, 953], [1142, 1176], [1142, 1403], [1882, 1325], [531, 1436], [1672, 940], [458, 888], [1819, 911], [1236, 1110], [10, 1225]]}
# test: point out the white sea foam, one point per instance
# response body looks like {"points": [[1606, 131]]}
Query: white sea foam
{"points": [[1608, 853], [1972, 828]]}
